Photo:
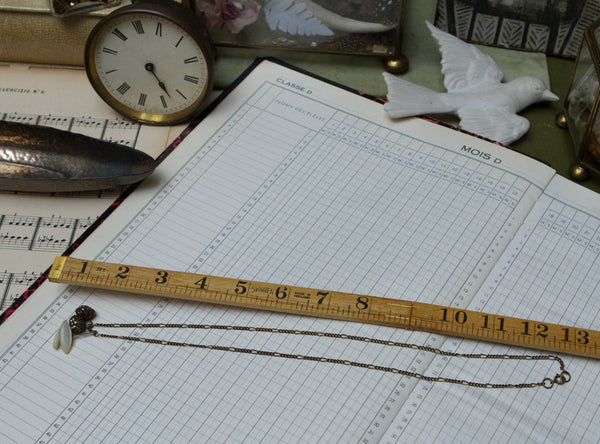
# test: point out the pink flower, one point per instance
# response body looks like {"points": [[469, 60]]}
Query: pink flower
{"points": [[235, 14]]}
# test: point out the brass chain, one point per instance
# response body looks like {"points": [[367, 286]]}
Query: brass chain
{"points": [[81, 322]]}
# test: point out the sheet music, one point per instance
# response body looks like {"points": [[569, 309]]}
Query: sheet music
{"points": [[287, 180], [22, 236], [34, 228], [550, 272]]}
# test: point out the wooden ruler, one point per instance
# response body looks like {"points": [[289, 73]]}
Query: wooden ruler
{"points": [[328, 304]]}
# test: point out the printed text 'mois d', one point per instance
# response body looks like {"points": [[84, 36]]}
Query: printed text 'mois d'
{"points": [[481, 154]]}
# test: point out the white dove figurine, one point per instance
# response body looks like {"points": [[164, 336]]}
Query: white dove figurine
{"points": [[484, 104]]}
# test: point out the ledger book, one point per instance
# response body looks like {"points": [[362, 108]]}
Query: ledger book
{"points": [[292, 179]]}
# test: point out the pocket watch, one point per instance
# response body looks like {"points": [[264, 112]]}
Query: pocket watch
{"points": [[152, 61]]}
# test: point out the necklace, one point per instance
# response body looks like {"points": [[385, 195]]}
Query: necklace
{"points": [[81, 322]]}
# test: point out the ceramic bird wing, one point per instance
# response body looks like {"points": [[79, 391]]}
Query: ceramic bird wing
{"points": [[497, 124], [464, 66]]}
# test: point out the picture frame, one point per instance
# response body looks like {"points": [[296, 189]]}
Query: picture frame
{"points": [[553, 27], [354, 27]]}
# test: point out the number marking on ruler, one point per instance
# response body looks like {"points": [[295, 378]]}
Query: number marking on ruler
{"points": [[328, 304]]}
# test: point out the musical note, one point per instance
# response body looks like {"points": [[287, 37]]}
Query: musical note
{"points": [[121, 124], [50, 243], [89, 126], [122, 132], [40, 233], [87, 122], [12, 285], [30, 119], [84, 224], [63, 123], [20, 221], [57, 222], [12, 241], [113, 130]]}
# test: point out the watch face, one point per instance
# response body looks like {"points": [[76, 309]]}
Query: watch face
{"points": [[148, 67]]}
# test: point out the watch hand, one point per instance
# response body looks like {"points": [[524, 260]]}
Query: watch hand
{"points": [[150, 68]]}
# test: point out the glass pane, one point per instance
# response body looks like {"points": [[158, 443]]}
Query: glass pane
{"points": [[348, 26], [582, 96]]}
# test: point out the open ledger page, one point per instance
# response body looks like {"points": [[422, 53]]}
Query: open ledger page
{"points": [[288, 180], [548, 273]]}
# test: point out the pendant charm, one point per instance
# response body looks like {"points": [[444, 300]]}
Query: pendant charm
{"points": [[63, 338], [77, 324]]}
